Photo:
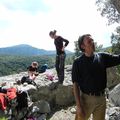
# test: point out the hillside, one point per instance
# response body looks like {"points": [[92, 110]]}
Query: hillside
{"points": [[11, 64], [25, 50]]}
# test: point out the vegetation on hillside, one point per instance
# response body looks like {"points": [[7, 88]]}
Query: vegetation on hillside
{"points": [[15, 64], [115, 40]]}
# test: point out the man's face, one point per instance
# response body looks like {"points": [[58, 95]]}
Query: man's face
{"points": [[88, 44]]}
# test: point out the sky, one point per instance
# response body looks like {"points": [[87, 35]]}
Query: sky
{"points": [[30, 21]]}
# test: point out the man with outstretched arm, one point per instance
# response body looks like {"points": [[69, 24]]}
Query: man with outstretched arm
{"points": [[89, 79]]}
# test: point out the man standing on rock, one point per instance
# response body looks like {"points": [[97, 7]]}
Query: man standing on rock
{"points": [[89, 79], [60, 57]]}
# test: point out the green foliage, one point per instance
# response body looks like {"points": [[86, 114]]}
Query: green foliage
{"points": [[109, 50], [115, 40], [15, 64], [109, 9], [98, 47], [3, 118], [77, 51], [69, 59]]}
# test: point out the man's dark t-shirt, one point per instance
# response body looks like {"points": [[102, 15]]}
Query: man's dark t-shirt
{"points": [[59, 44], [90, 72]]}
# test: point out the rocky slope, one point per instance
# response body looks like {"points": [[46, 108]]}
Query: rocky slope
{"points": [[60, 97]]}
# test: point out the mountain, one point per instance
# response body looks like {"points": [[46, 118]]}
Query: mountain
{"points": [[26, 50]]}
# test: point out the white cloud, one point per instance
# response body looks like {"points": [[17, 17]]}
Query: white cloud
{"points": [[70, 18]]}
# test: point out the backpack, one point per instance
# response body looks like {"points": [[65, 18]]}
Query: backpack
{"points": [[26, 79]]}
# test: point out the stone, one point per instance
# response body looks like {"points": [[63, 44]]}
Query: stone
{"points": [[114, 95], [58, 99]]}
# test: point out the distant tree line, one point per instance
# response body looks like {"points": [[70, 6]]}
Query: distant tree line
{"points": [[16, 64]]}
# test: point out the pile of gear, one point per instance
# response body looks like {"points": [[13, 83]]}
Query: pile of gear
{"points": [[15, 101]]}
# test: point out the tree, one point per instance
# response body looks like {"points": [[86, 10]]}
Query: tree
{"points": [[115, 40], [77, 51], [109, 9], [98, 47]]}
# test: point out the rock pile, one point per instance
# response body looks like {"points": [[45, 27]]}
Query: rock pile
{"points": [[59, 99]]}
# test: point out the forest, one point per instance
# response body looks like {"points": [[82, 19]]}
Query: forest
{"points": [[10, 64]]}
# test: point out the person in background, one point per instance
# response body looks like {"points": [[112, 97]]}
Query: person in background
{"points": [[89, 79], [32, 74], [60, 44], [33, 70]]}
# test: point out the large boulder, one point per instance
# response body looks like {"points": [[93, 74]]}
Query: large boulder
{"points": [[113, 78], [114, 95], [64, 95], [59, 95], [56, 95], [43, 106]]}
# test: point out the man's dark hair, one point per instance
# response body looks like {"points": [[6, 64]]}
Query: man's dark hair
{"points": [[80, 41]]}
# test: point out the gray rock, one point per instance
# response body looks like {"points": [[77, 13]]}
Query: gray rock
{"points": [[51, 94], [113, 78], [64, 95], [43, 106], [114, 95]]}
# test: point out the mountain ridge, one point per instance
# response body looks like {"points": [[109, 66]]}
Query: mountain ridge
{"points": [[26, 50]]}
